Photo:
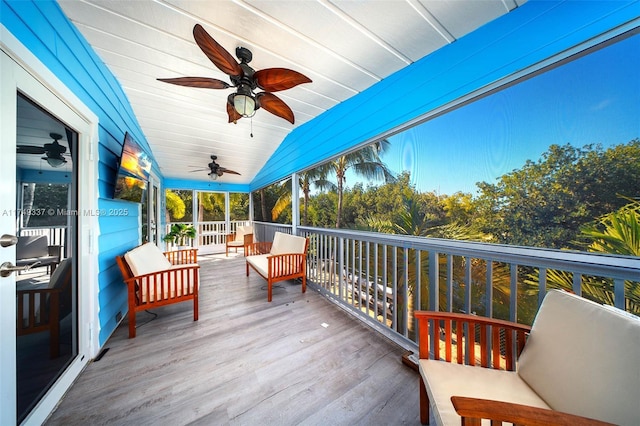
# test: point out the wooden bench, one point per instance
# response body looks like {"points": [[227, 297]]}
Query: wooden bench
{"points": [[577, 364], [157, 279], [284, 259]]}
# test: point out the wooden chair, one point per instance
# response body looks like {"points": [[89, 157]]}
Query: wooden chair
{"points": [[41, 309], [578, 357], [283, 259], [241, 238], [155, 279]]}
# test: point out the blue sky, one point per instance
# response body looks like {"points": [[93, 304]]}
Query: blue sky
{"points": [[595, 99]]}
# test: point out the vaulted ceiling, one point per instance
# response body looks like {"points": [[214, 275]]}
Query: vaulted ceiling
{"points": [[343, 46]]}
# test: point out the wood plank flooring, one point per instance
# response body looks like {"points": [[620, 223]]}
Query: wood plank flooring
{"points": [[245, 362]]}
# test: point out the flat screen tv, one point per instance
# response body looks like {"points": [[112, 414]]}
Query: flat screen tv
{"points": [[133, 171]]}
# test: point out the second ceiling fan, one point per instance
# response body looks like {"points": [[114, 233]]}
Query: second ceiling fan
{"points": [[244, 102]]}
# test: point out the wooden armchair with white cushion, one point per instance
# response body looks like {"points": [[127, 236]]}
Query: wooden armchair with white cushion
{"points": [[156, 279], [283, 259], [577, 365], [241, 238]]}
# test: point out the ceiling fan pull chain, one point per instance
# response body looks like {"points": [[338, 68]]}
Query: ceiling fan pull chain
{"points": [[251, 134]]}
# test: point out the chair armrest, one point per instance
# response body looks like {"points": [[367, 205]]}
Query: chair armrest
{"points": [[261, 247], [473, 410], [248, 239], [182, 257], [498, 342], [286, 264]]}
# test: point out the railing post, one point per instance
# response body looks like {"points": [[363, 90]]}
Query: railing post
{"points": [[434, 291], [295, 204]]}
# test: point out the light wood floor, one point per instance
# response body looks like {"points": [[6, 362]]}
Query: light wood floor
{"points": [[245, 362]]}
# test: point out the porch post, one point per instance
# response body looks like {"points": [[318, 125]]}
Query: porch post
{"points": [[227, 213], [194, 217], [251, 206], [295, 204]]}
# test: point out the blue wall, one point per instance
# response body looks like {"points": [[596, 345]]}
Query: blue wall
{"points": [[532, 33], [43, 28]]}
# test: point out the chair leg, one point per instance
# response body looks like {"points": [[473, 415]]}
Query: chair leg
{"points": [[195, 307], [424, 403], [304, 283], [132, 323], [269, 290]]}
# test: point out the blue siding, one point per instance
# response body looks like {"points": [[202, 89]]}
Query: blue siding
{"points": [[44, 29], [526, 36]]}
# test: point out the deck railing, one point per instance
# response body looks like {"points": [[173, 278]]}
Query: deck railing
{"points": [[382, 278], [56, 236], [211, 232]]}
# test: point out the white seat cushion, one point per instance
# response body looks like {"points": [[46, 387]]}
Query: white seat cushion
{"points": [[582, 358], [146, 259], [444, 380], [260, 263], [285, 243]]}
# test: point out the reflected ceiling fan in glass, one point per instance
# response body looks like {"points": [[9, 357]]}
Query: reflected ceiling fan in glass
{"points": [[54, 152]]}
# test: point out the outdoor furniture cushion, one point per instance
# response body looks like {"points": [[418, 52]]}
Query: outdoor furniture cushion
{"points": [[241, 231], [582, 358], [445, 379], [145, 259]]}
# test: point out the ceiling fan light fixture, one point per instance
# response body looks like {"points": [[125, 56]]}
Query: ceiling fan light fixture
{"points": [[244, 102], [56, 161]]}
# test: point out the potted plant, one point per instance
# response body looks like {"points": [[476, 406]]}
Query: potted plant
{"points": [[179, 234]]}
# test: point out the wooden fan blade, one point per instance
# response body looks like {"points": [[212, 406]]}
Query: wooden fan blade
{"points": [[233, 114], [216, 53], [275, 106], [231, 172], [275, 79], [201, 82]]}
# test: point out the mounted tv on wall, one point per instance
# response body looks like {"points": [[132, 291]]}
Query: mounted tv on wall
{"points": [[133, 171]]}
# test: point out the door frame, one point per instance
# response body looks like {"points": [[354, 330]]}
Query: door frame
{"points": [[22, 71]]}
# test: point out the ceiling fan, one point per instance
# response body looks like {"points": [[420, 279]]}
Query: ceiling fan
{"points": [[53, 151], [215, 170], [244, 102]]}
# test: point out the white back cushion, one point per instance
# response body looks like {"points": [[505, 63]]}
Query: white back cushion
{"points": [[285, 243], [146, 259], [583, 359]]}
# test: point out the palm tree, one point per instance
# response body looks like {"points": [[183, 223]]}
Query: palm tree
{"points": [[615, 233], [315, 176], [365, 162]]}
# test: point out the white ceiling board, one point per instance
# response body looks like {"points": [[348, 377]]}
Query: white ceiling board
{"points": [[344, 46]]}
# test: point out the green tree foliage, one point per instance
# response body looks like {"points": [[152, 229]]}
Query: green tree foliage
{"points": [[617, 233], [545, 203], [176, 206], [45, 198], [239, 206]]}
